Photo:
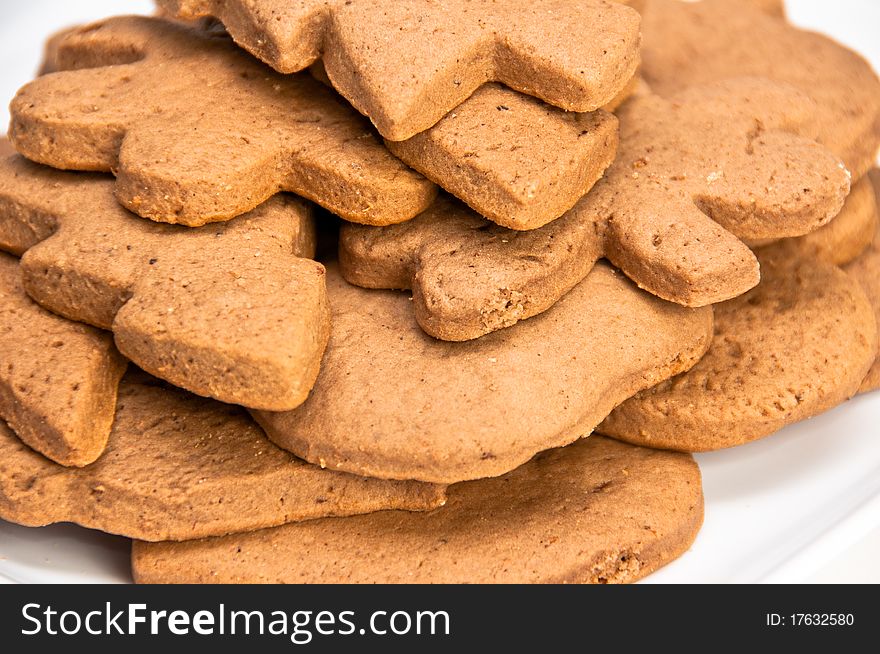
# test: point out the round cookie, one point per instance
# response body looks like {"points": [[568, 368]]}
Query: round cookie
{"points": [[595, 512], [795, 346], [689, 43], [866, 270], [178, 467], [392, 402]]}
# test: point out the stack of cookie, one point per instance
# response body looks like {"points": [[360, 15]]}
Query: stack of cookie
{"points": [[638, 231]]}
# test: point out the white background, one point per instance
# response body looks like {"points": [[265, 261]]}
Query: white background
{"points": [[802, 505]]}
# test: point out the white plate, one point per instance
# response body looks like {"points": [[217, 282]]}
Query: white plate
{"points": [[786, 507], [803, 504]]}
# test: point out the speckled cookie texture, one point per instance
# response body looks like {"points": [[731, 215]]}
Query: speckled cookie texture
{"points": [[408, 63], [197, 131], [694, 43], [58, 379], [515, 160], [866, 270], [722, 161], [594, 512], [845, 237], [179, 467], [795, 346], [231, 311], [391, 402], [625, 93]]}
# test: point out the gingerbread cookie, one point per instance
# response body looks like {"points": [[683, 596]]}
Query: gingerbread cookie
{"points": [[320, 73], [50, 50], [515, 160], [688, 43], [196, 131], [795, 346], [866, 270], [626, 93], [406, 64], [739, 152], [393, 403], [231, 311], [179, 467], [58, 379], [844, 238], [594, 512], [525, 167]]}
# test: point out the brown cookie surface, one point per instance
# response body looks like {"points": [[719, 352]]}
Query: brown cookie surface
{"points": [[179, 467], [625, 93], [231, 311], [594, 512], [58, 379], [391, 402], [513, 159], [196, 131], [771, 7], [687, 43], [866, 270], [844, 238], [795, 346], [406, 64], [727, 160]]}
